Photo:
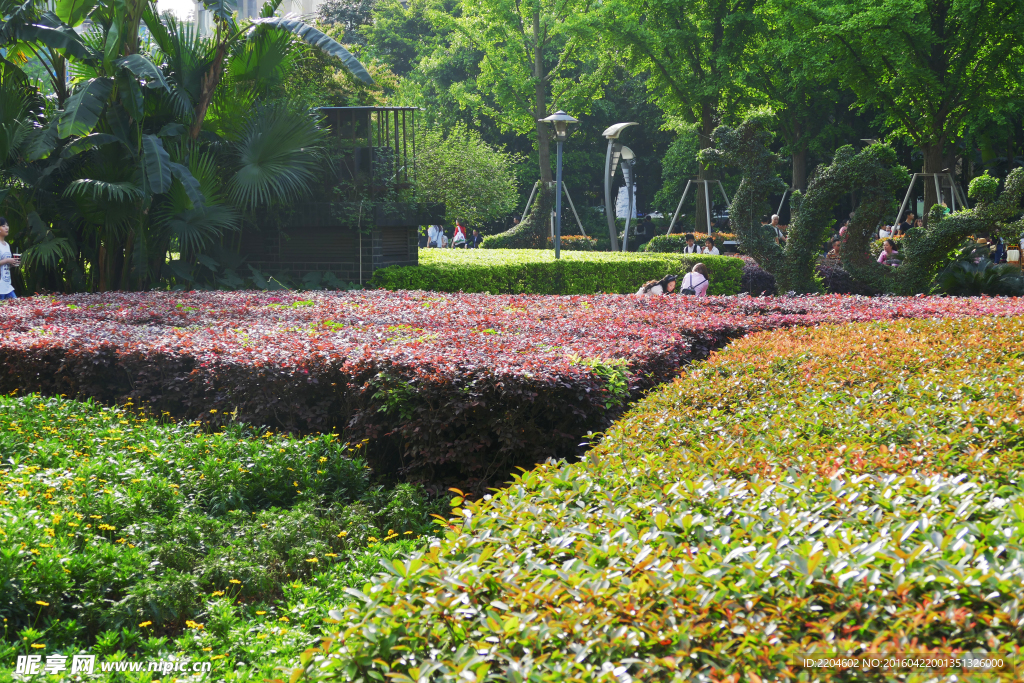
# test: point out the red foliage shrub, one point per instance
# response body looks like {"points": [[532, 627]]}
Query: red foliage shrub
{"points": [[445, 387]]}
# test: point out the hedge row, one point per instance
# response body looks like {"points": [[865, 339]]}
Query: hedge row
{"points": [[674, 243], [535, 271], [447, 388], [845, 490]]}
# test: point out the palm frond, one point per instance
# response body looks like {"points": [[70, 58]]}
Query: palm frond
{"points": [[277, 156], [123, 191]]}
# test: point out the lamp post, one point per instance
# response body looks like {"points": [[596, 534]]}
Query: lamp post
{"points": [[561, 121], [611, 163]]}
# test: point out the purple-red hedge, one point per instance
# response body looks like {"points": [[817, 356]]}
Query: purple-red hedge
{"points": [[447, 387]]}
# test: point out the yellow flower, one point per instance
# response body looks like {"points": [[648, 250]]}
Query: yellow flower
{"points": [[44, 604], [371, 539], [235, 581], [145, 624], [313, 560], [323, 459], [217, 657], [284, 619], [38, 646], [217, 594], [213, 411], [207, 649], [295, 483], [330, 554], [408, 532], [343, 534], [261, 611], [192, 624]]}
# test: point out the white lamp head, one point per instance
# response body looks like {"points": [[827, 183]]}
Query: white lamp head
{"points": [[561, 121]]}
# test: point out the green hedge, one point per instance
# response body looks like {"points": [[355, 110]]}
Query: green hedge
{"points": [[535, 271], [771, 505], [673, 244]]}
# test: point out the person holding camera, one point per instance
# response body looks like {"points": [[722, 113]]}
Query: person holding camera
{"points": [[7, 259]]}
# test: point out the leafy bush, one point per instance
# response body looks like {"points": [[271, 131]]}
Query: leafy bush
{"points": [[756, 281], [444, 388], [972, 273], [835, 280], [120, 530], [575, 243], [674, 243], [474, 182], [821, 492], [533, 271]]}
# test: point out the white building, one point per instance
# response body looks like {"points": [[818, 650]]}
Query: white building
{"points": [[251, 9]]}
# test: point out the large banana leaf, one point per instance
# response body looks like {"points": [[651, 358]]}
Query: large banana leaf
{"points": [[73, 12], [190, 184], [41, 143], [59, 38], [156, 164], [317, 39], [143, 68], [222, 9], [88, 142], [83, 109]]}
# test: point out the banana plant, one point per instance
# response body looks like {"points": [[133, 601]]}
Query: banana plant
{"points": [[227, 33]]}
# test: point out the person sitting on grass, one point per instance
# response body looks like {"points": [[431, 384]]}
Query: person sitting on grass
{"points": [[710, 249], [655, 287], [695, 283], [691, 245], [887, 254]]}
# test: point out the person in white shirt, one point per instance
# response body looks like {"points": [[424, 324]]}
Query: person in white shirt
{"points": [[695, 283], [691, 246], [655, 287], [710, 247], [7, 259], [434, 234]]}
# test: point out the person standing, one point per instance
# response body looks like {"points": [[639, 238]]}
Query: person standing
{"points": [[7, 260], [459, 239], [691, 246], [907, 224], [434, 234]]}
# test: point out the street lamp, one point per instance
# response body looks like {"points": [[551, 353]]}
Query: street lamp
{"points": [[611, 163], [561, 121]]}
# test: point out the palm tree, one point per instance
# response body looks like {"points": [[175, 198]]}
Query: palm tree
{"points": [[155, 147]]}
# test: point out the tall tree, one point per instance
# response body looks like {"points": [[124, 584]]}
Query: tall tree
{"points": [[924, 63], [694, 51], [537, 59]]}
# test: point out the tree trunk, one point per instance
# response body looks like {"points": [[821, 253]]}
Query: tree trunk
{"points": [[933, 163], [210, 81], [540, 95], [707, 123], [800, 167]]}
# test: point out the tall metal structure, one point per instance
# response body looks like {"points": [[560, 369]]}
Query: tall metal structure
{"points": [[611, 163], [560, 120], [942, 180], [707, 199]]}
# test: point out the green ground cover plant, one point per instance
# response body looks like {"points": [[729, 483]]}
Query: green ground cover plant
{"points": [[840, 489], [133, 537], [535, 271]]}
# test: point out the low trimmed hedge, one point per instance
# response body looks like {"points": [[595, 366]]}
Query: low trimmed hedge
{"points": [[535, 271], [674, 243], [575, 243], [851, 489]]}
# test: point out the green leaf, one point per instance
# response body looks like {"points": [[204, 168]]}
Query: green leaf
{"points": [[221, 9], [156, 164], [83, 109], [61, 38], [73, 12], [189, 182], [143, 68], [320, 40], [173, 130], [100, 189], [88, 142], [41, 143]]}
